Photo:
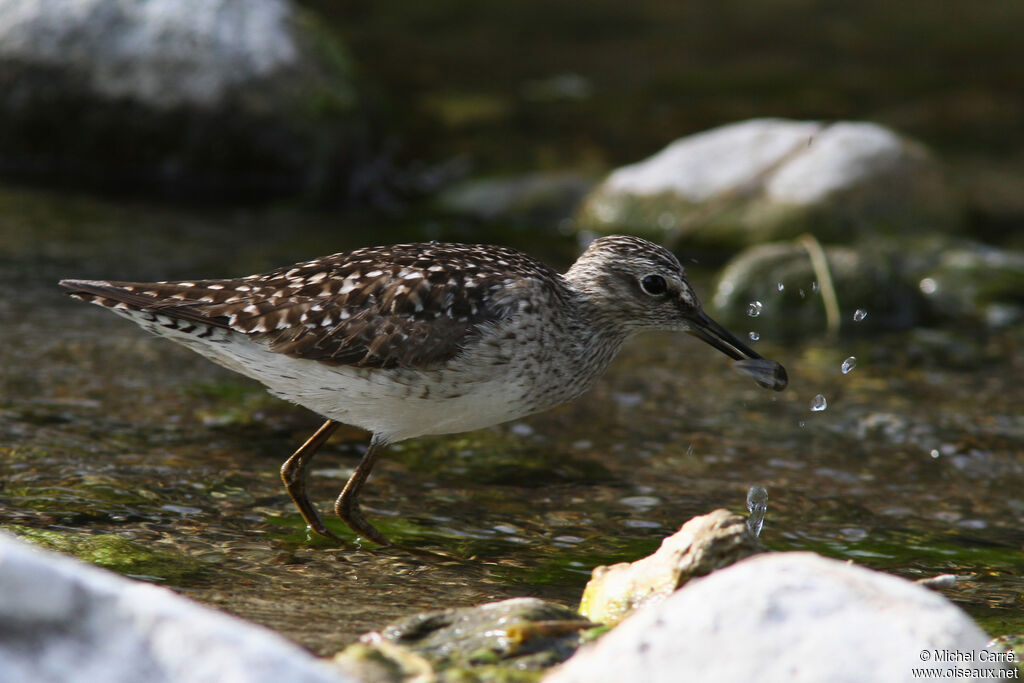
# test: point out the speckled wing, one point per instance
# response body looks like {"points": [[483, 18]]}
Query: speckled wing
{"points": [[412, 305]]}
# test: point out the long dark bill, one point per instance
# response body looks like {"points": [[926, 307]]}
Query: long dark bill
{"points": [[767, 373]]}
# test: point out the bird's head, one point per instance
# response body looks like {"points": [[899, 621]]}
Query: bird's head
{"points": [[637, 285]]}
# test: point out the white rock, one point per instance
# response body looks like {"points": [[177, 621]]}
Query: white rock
{"points": [[161, 52], [784, 617], [63, 621], [839, 157], [771, 179], [704, 165]]}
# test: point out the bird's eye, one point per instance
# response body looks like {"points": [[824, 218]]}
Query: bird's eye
{"points": [[653, 285]]}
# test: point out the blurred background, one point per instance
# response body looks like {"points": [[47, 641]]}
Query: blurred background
{"points": [[851, 203]]}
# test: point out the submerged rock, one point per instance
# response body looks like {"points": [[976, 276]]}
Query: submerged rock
{"points": [[769, 179], [67, 622], [522, 634], [703, 545], [792, 298], [787, 617], [199, 96], [896, 283]]}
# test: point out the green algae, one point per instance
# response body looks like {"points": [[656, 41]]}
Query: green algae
{"points": [[120, 555]]}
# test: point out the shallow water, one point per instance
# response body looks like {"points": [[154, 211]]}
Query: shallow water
{"points": [[144, 457]]}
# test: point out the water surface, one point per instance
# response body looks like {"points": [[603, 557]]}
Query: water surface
{"points": [[113, 437]]}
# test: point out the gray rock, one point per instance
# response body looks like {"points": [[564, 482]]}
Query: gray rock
{"points": [[191, 94], [64, 621], [165, 53], [785, 617], [767, 179], [533, 199]]}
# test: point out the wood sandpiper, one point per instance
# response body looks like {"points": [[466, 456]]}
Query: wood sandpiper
{"points": [[427, 338]]}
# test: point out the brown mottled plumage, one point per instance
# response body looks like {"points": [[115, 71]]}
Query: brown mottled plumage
{"points": [[425, 338]]}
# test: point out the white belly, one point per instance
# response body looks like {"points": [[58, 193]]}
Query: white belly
{"points": [[491, 383], [395, 404]]}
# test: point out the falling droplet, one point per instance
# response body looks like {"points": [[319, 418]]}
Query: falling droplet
{"points": [[819, 403], [781, 286], [802, 293], [754, 336], [757, 506], [755, 308], [814, 286], [849, 364], [859, 315]]}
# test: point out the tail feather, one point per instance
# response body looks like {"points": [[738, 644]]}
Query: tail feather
{"points": [[141, 297], [106, 294]]}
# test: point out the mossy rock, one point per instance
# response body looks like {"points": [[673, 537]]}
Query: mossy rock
{"points": [[511, 640], [779, 283], [894, 284]]}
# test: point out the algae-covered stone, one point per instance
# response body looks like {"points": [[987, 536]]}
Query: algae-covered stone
{"points": [[509, 640], [195, 96], [971, 280], [701, 546], [894, 283], [769, 179], [779, 282]]}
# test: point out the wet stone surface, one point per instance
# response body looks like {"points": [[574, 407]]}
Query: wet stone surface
{"points": [[914, 467]]}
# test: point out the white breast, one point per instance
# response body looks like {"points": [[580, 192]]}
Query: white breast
{"points": [[498, 379]]}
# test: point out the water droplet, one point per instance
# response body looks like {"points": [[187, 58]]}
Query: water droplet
{"points": [[802, 293], [819, 403], [859, 315], [757, 506], [849, 364], [755, 308], [935, 453], [801, 423], [928, 286], [754, 336], [814, 286], [781, 286]]}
